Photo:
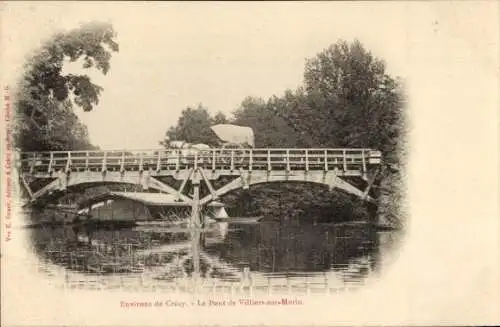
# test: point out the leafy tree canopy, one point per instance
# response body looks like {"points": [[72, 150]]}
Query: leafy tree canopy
{"points": [[44, 90], [352, 100], [193, 126]]}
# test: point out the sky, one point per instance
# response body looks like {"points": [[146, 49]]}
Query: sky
{"points": [[174, 55]]}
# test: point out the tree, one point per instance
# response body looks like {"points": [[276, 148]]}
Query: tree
{"points": [[351, 99], [355, 103], [270, 130], [290, 109], [347, 100], [43, 88], [193, 126], [63, 131], [220, 118]]}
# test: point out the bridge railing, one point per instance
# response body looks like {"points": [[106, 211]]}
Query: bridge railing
{"points": [[176, 159]]}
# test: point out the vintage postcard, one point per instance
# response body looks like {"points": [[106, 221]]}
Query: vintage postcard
{"points": [[249, 163]]}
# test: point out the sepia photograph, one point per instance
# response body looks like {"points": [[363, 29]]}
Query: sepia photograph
{"points": [[200, 163]]}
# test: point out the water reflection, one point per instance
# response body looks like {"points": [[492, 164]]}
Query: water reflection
{"points": [[221, 257]]}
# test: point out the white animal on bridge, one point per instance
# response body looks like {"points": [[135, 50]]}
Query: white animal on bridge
{"points": [[230, 136]]}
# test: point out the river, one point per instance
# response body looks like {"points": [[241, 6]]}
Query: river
{"points": [[222, 257]]}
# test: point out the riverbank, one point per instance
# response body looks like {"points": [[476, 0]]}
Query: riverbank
{"points": [[391, 204], [92, 223]]}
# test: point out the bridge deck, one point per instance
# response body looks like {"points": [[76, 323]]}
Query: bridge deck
{"points": [[143, 167], [215, 159]]}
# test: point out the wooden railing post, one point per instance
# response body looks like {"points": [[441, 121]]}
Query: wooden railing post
{"points": [[196, 160], [104, 161], [232, 160], [326, 160], [287, 159], [141, 161], [68, 162], [158, 162], [213, 160], [307, 160], [51, 162], [269, 160], [344, 159], [364, 160], [250, 160], [122, 164], [178, 161], [32, 163], [86, 160]]}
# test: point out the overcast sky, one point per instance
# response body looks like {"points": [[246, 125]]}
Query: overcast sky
{"points": [[174, 55]]}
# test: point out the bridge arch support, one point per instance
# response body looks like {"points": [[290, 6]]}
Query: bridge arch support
{"points": [[65, 181], [248, 178]]}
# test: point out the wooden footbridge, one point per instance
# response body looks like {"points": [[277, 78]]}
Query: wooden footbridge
{"points": [[48, 173]]}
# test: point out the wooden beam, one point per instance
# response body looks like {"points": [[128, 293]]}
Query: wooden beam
{"points": [[244, 181], [195, 205], [343, 185], [234, 184], [26, 186], [209, 185], [156, 184], [184, 182], [371, 181], [54, 185]]}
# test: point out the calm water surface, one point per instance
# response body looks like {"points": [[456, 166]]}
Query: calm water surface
{"points": [[224, 257]]}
